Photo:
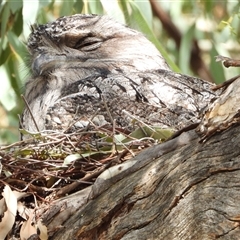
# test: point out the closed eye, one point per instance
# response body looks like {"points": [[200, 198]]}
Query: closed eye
{"points": [[88, 44]]}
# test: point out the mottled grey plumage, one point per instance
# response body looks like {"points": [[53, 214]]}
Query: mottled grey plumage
{"points": [[90, 68]]}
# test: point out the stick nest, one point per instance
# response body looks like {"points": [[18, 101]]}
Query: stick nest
{"points": [[52, 165]]}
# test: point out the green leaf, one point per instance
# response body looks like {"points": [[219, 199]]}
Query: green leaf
{"points": [[78, 6], [159, 133], [12, 67], [119, 138], [42, 17], [24, 152], [113, 9], [25, 132], [7, 137], [124, 6], [146, 10], [138, 19], [66, 8], [46, 3], [4, 21], [16, 46], [14, 59], [71, 158], [5, 55], [156, 133], [7, 173], [7, 96], [95, 7], [18, 23], [216, 68], [15, 6], [29, 12], [209, 5], [185, 50]]}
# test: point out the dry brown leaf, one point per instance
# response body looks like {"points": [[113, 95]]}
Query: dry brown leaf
{"points": [[3, 206], [27, 229], [9, 216], [43, 231], [23, 211]]}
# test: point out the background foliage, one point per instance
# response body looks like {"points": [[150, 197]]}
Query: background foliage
{"points": [[193, 31]]}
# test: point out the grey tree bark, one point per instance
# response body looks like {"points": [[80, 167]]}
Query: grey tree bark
{"points": [[181, 189]]}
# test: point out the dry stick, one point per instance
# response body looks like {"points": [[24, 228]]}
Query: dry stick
{"points": [[113, 121], [74, 185], [122, 144], [13, 145], [228, 62], [19, 143], [25, 101], [79, 118], [82, 180], [51, 143], [85, 128], [137, 119], [73, 122], [114, 147], [106, 106], [226, 83], [70, 142]]}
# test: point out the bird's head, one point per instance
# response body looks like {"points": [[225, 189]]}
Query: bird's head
{"points": [[88, 43], [74, 48]]}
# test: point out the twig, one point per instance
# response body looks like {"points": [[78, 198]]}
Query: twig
{"points": [[226, 83], [139, 120], [228, 62], [114, 145], [72, 186], [28, 107], [107, 109]]}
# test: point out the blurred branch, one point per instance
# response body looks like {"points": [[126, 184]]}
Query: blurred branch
{"points": [[196, 62]]}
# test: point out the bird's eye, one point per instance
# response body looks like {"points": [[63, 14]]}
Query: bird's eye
{"points": [[88, 44]]}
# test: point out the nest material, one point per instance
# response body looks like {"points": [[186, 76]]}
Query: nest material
{"points": [[52, 165], [46, 167]]}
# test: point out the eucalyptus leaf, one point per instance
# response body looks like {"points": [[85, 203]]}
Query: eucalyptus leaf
{"points": [[29, 12], [24, 152], [11, 67], [95, 7], [146, 10], [78, 6], [15, 6], [16, 45], [7, 97], [119, 137], [17, 27], [185, 50], [156, 133], [25, 132], [71, 158], [4, 20], [66, 7], [137, 19], [112, 8], [5, 55], [215, 67]]}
